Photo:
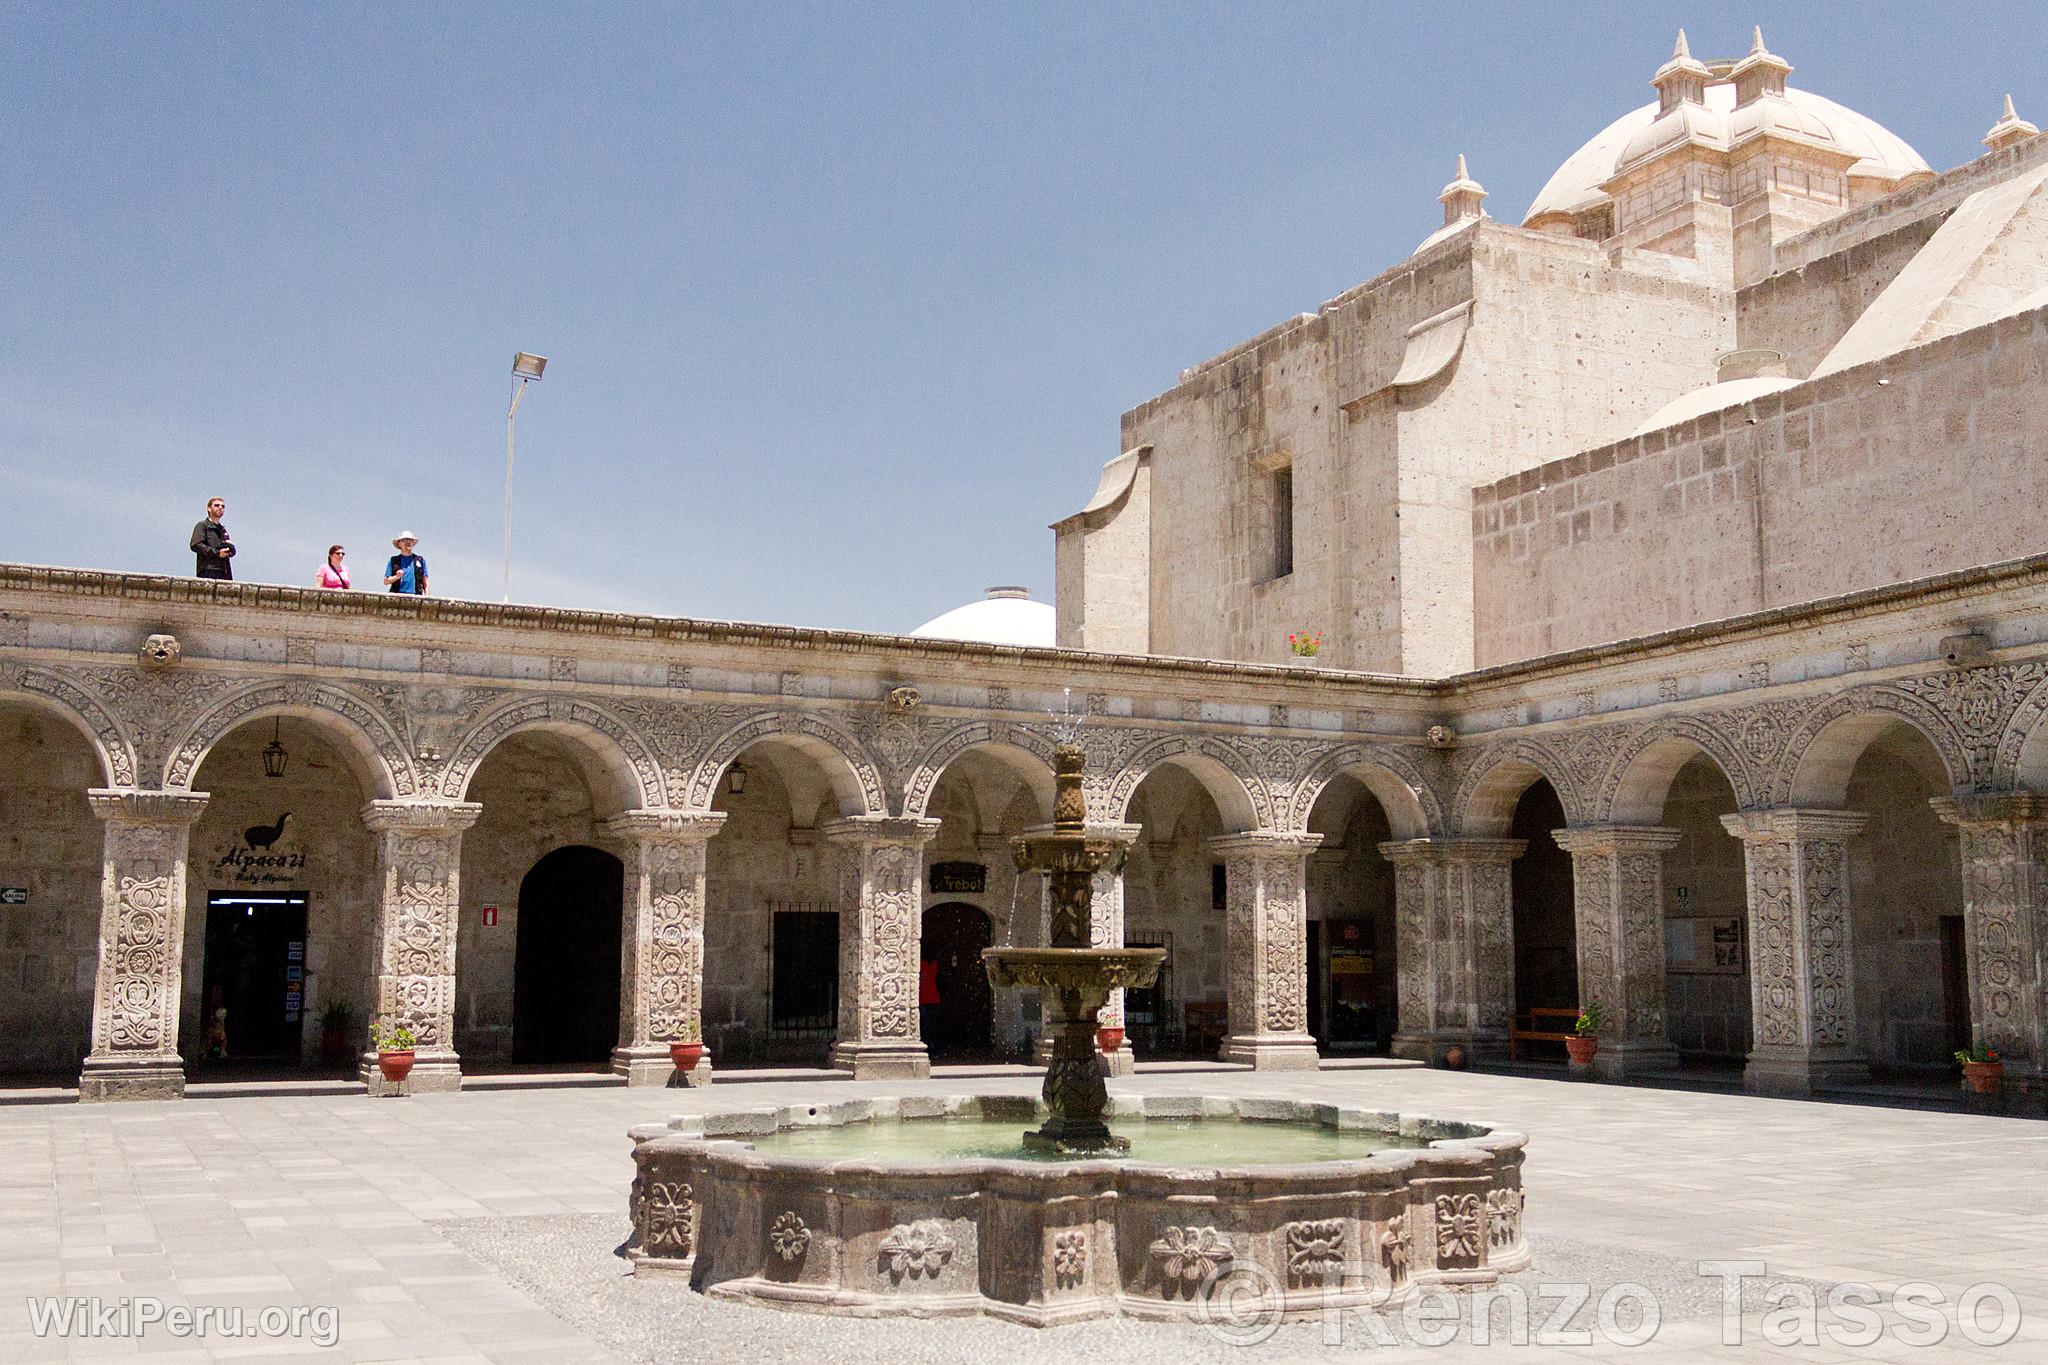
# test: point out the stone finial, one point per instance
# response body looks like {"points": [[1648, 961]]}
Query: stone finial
{"points": [[1762, 72], [2009, 129], [1682, 80], [1462, 197]]}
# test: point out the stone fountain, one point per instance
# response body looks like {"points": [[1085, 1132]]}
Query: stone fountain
{"points": [[1075, 978]]}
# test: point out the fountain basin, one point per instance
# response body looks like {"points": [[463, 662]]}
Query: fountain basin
{"points": [[846, 1208], [1097, 971]]}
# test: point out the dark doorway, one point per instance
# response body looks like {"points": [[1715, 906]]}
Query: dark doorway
{"points": [[252, 984], [803, 975], [1955, 983], [1546, 934], [962, 1021], [1355, 1014], [565, 992]]}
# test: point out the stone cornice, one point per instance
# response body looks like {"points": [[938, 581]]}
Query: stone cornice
{"points": [[1989, 808], [1456, 849], [665, 826], [1616, 838], [433, 817], [128, 807], [1784, 823], [881, 829], [1265, 841]]}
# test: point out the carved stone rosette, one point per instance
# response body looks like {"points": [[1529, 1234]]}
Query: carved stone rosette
{"points": [[1266, 942], [1802, 991], [2003, 923], [419, 859], [1618, 893], [663, 972], [142, 934], [1454, 940], [881, 924]]}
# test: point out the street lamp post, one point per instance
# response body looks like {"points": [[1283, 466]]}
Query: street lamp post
{"points": [[525, 369]]}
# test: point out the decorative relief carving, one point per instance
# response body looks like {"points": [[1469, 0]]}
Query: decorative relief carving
{"points": [[669, 1221], [362, 716], [1324, 764], [788, 1238], [919, 1250], [998, 698], [766, 724], [1315, 1250], [161, 651], [1827, 918], [1395, 1250], [120, 755], [1460, 1227], [1504, 1218], [561, 669], [1773, 990], [1186, 1256], [926, 769], [1069, 1258]]}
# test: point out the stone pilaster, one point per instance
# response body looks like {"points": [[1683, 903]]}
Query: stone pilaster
{"points": [[1618, 903], [1266, 943], [1802, 962], [661, 974], [142, 935], [419, 863], [2005, 923], [1454, 941], [880, 928]]}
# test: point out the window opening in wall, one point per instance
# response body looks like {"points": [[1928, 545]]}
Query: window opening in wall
{"points": [[1219, 886], [1283, 522], [804, 975]]}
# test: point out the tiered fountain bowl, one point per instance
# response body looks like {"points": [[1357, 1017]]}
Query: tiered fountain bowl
{"points": [[927, 1205]]}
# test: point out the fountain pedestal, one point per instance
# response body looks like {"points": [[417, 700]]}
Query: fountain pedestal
{"points": [[1076, 979]]}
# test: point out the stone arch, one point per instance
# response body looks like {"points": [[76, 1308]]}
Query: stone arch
{"points": [[1833, 735], [1413, 811], [55, 693], [1023, 751], [379, 756], [855, 779], [1489, 789], [631, 776], [1241, 798], [2022, 754], [1642, 773]]}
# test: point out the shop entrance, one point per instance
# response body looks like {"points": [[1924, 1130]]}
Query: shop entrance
{"points": [[253, 978], [962, 1021], [565, 993]]}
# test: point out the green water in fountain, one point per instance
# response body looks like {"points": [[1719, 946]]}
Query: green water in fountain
{"points": [[1172, 1142]]}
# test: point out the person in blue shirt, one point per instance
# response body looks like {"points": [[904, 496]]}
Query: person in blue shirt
{"points": [[406, 571]]}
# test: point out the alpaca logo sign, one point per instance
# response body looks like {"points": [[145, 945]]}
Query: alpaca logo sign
{"points": [[258, 861]]}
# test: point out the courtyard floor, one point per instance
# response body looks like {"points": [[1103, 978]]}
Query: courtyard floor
{"points": [[481, 1226]]}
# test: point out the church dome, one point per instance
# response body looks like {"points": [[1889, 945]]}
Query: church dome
{"points": [[1717, 122], [1007, 616]]}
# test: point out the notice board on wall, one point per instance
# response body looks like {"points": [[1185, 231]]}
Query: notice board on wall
{"points": [[1704, 947]]}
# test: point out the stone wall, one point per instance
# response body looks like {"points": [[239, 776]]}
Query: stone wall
{"points": [[49, 846], [1862, 482]]}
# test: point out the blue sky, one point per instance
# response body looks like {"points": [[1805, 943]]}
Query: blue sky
{"points": [[843, 302]]}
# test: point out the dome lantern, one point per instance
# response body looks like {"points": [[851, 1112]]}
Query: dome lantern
{"points": [[2009, 130]]}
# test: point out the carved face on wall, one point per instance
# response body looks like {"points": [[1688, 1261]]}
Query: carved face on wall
{"points": [[161, 651]]}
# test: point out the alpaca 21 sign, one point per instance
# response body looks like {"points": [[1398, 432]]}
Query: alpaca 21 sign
{"points": [[261, 858]]}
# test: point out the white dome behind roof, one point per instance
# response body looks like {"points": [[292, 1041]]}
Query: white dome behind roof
{"points": [[1576, 185], [1007, 616]]}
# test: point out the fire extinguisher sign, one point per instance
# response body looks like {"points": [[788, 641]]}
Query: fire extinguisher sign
{"points": [[490, 917]]}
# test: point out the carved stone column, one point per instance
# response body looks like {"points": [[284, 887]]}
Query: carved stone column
{"points": [[1266, 942], [1454, 936], [2005, 922], [142, 936], [419, 859], [1618, 903], [881, 923], [1802, 963], [661, 971]]}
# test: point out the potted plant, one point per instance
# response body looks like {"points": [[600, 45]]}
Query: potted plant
{"points": [[1585, 1039], [1983, 1068], [337, 1022], [685, 1053], [1109, 1038], [394, 1053], [1304, 645]]}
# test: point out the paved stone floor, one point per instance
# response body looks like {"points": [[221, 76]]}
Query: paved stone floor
{"points": [[480, 1226]]}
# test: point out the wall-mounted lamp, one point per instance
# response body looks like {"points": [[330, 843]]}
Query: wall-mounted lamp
{"points": [[736, 779], [274, 755]]}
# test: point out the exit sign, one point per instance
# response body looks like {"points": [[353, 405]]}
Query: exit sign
{"points": [[490, 917], [13, 895]]}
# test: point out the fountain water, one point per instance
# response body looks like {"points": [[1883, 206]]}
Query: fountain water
{"points": [[1075, 977]]}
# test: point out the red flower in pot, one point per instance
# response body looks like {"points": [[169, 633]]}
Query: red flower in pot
{"points": [[1585, 1039]]}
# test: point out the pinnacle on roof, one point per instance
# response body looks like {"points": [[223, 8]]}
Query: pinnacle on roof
{"points": [[1761, 72], [1682, 79], [1461, 197], [2009, 129]]}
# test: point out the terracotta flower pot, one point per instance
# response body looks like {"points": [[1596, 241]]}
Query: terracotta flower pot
{"points": [[1454, 1058], [1109, 1039], [1581, 1049], [686, 1055], [395, 1065], [1984, 1077]]}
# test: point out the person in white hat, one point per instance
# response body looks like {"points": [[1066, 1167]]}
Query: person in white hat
{"points": [[406, 571]]}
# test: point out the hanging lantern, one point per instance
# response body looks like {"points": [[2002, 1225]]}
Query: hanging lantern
{"points": [[274, 755], [736, 780]]}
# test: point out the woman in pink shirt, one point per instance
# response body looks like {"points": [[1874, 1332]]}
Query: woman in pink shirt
{"points": [[334, 573]]}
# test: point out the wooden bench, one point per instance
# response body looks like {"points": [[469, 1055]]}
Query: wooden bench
{"points": [[1533, 1032], [1204, 1022]]}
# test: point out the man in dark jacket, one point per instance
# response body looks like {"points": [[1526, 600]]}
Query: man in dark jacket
{"points": [[211, 544]]}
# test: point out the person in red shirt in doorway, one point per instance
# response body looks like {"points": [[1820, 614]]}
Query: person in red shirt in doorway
{"points": [[927, 997]]}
